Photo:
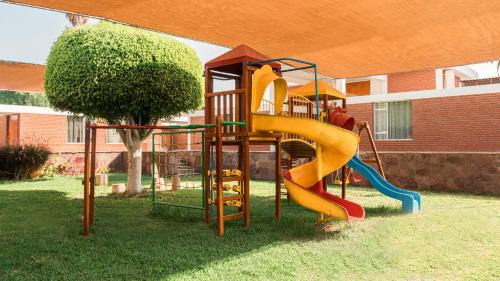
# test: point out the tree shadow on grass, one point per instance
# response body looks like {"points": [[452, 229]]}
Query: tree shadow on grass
{"points": [[41, 237]]}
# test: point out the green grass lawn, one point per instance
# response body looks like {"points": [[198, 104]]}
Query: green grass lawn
{"points": [[455, 237]]}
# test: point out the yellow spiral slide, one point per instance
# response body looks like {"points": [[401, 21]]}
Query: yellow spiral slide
{"points": [[334, 148]]}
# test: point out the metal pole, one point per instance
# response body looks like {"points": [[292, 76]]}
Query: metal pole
{"points": [[316, 89]]}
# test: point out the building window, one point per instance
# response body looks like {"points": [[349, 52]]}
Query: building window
{"points": [[76, 129], [112, 137], [393, 120]]}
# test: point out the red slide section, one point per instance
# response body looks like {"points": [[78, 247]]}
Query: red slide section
{"points": [[354, 211]]}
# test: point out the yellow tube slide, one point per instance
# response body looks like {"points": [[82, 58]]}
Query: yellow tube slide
{"points": [[335, 147]]}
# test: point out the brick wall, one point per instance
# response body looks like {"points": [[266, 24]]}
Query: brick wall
{"points": [[52, 129], [411, 81], [448, 124]]}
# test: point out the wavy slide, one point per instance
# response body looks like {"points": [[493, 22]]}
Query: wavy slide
{"points": [[335, 147], [409, 199]]}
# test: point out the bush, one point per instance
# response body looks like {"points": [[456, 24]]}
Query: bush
{"points": [[22, 161], [58, 165]]}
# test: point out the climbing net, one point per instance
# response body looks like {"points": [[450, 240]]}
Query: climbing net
{"points": [[177, 169]]}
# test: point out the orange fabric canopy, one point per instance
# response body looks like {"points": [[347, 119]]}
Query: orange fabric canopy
{"points": [[348, 38], [21, 77], [308, 90]]}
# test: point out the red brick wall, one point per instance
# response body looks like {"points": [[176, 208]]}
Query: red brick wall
{"points": [[53, 130], [3, 130], [448, 124], [411, 81]]}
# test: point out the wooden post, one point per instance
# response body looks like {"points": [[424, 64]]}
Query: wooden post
{"points": [[246, 178], [219, 159], [277, 210], [93, 140], [374, 149], [344, 168], [290, 162], [246, 104], [208, 120], [247, 85], [241, 167], [86, 182], [208, 182]]}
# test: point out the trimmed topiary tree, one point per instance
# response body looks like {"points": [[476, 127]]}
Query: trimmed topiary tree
{"points": [[125, 76]]}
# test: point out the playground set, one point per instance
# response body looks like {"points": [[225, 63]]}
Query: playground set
{"points": [[309, 123]]}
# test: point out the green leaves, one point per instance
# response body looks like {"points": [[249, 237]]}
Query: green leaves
{"points": [[115, 72]]}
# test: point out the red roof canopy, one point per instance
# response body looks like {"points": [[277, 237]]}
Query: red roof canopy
{"points": [[229, 61]]}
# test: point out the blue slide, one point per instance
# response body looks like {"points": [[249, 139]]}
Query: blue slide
{"points": [[410, 199]]}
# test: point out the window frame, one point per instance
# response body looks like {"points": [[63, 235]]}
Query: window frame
{"points": [[67, 129], [115, 134], [387, 132]]}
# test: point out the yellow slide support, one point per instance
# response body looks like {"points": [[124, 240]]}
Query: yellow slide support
{"points": [[334, 148]]}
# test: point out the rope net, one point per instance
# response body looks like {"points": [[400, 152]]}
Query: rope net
{"points": [[177, 171]]}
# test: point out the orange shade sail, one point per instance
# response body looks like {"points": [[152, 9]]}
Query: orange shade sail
{"points": [[308, 90], [346, 38], [21, 77]]}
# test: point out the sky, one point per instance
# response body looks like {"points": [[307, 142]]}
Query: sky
{"points": [[28, 34]]}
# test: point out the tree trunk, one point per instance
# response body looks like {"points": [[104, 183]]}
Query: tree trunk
{"points": [[134, 184], [132, 139]]}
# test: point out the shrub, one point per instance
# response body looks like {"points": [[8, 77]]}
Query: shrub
{"points": [[59, 165], [22, 161]]}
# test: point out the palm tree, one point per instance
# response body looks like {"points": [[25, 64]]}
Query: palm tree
{"points": [[76, 19]]}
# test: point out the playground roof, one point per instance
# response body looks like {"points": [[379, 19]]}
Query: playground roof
{"points": [[308, 90], [22, 77], [242, 53], [345, 38]]}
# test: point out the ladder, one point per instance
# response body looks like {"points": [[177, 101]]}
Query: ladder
{"points": [[232, 182], [364, 126]]}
